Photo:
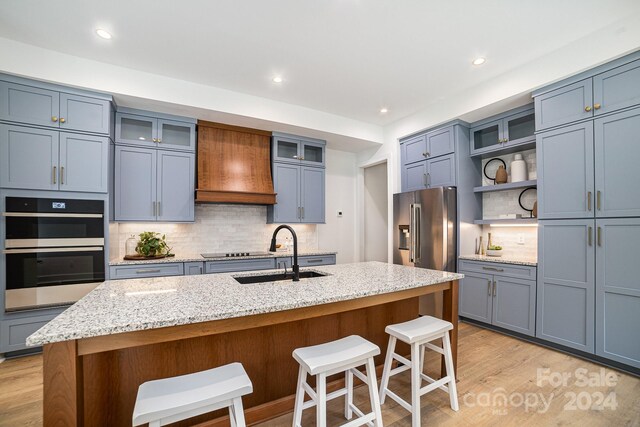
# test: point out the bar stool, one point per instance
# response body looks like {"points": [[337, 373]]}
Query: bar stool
{"points": [[419, 333], [168, 400], [343, 355]]}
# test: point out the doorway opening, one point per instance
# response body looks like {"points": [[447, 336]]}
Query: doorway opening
{"points": [[376, 213]]}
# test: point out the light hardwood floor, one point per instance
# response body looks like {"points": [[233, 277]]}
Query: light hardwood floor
{"points": [[492, 368]]}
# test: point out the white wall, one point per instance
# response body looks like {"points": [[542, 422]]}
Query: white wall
{"points": [[339, 234], [375, 213]]}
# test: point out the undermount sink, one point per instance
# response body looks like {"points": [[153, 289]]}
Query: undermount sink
{"points": [[277, 277]]}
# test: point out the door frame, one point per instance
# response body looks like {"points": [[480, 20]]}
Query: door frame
{"points": [[391, 173]]}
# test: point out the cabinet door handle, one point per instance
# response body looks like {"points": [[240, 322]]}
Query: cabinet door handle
{"points": [[424, 179], [200, 270], [61, 174], [54, 119], [147, 270], [489, 287], [589, 201], [426, 154], [154, 209], [63, 120], [54, 174], [159, 208], [159, 140], [587, 108], [589, 236], [295, 157], [302, 212], [495, 289], [600, 236], [428, 179], [597, 106], [598, 199], [492, 268]]}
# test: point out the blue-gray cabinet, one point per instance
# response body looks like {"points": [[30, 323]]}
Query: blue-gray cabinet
{"points": [[566, 283], [429, 159], [298, 180], [139, 271], [193, 268], [617, 175], [604, 90], [509, 130], [618, 290], [298, 150], [45, 107], [42, 159], [565, 160], [175, 186], [240, 265], [153, 185], [312, 195], [14, 331], [155, 130], [503, 295]]}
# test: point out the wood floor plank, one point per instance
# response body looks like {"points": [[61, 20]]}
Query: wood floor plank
{"points": [[490, 364]]}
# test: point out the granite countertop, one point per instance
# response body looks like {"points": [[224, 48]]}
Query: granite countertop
{"points": [[505, 259], [138, 304], [200, 258]]}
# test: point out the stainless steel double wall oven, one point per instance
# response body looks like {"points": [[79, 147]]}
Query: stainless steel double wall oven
{"points": [[54, 251]]}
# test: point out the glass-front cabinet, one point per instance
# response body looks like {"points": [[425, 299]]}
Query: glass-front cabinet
{"points": [[146, 129], [291, 149], [514, 128]]}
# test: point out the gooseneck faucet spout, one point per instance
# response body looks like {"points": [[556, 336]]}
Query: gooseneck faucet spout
{"points": [[272, 248]]}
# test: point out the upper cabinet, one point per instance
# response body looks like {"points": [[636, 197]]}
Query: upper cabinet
{"points": [[429, 159], [298, 150], [513, 129], [148, 129], [38, 106], [606, 89], [43, 159], [298, 180]]}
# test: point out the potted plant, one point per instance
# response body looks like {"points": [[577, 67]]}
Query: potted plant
{"points": [[152, 244]]}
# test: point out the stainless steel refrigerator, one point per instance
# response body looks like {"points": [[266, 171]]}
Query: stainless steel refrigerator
{"points": [[425, 230]]}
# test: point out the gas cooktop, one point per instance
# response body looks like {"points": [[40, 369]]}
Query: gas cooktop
{"points": [[236, 254]]}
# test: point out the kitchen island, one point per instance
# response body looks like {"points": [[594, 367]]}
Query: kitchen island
{"points": [[126, 332]]}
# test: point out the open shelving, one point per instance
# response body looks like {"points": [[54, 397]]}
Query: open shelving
{"points": [[507, 186]]}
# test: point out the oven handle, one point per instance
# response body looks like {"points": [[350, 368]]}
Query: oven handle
{"points": [[49, 250], [50, 215]]}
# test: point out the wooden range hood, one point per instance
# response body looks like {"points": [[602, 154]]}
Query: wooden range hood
{"points": [[234, 165]]}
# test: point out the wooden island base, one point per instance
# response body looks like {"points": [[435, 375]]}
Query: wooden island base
{"points": [[94, 381]]}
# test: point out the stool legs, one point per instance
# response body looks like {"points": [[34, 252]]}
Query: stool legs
{"points": [[348, 400], [384, 383], [321, 407], [448, 361], [373, 392], [416, 383], [297, 412]]}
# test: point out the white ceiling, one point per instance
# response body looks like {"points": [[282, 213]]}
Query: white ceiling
{"points": [[346, 57]]}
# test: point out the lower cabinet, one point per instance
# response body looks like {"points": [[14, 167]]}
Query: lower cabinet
{"points": [[618, 290], [193, 268], [137, 271], [566, 283], [14, 331], [240, 265], [497, 298]]}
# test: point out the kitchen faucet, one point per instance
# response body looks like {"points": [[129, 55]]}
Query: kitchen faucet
{"points": [[272, 248]]}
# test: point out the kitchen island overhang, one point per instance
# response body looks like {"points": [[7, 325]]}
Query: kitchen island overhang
{"points": [[98, 352]]}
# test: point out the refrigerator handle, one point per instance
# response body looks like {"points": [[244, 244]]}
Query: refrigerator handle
{"points": [[417, 232], [411, 233]]}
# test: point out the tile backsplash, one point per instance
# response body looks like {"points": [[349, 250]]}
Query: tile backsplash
{"points": [[508, 238], [218, 228]]}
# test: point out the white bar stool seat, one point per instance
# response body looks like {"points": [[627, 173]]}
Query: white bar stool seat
{"points": [[168, 400], [419, 333], [323, 360]]}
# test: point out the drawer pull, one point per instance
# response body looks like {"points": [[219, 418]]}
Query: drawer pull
{"points": [[492, 268], [148, 270], [313, 261]]}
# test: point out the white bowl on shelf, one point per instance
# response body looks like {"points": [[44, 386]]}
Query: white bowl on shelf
{"points": [[493, 252]]}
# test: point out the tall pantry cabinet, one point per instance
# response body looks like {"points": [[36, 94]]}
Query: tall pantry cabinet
{"points": [[588, 148]]}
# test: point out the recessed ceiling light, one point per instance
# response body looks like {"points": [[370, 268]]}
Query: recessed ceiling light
{"points": [[103, 33], [384, 110], [478, 61], [277, 79]]}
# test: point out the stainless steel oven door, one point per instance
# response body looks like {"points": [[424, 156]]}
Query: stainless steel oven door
{"points": [[43, 277], [35, 229]]}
